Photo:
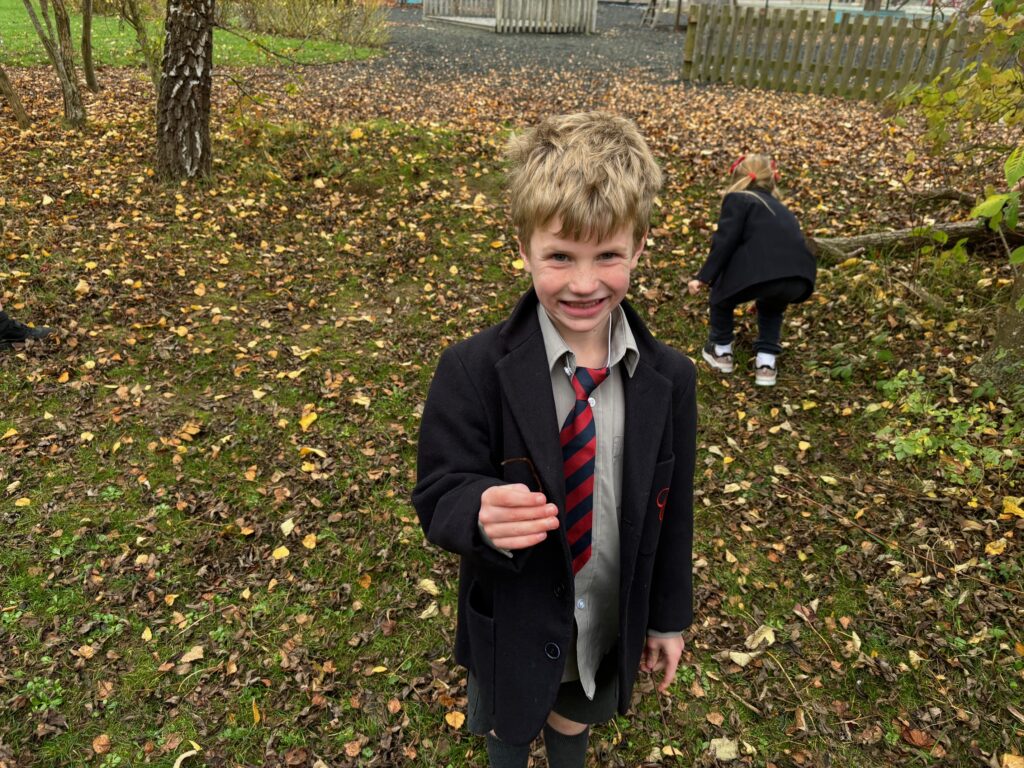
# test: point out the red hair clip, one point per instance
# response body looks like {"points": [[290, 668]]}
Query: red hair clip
{"points": [[753, 176], [735, 165]]}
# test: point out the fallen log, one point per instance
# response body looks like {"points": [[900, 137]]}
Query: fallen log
{"points": [[832, 249]]}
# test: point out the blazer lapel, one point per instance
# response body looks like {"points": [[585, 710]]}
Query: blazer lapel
{"points": [[648, 409], [526, 384]]}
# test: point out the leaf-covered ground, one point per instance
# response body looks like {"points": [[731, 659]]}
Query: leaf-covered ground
{"points": [[206, 535]]}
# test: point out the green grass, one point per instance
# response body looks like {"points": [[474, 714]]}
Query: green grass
{"points": [[114, 44], [341, 646]]}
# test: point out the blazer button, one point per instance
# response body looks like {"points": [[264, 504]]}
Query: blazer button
{"points": [[559, 590], [552, 651]]}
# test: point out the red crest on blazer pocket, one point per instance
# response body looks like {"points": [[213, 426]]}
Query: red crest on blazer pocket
{"points": [[662, 501]]}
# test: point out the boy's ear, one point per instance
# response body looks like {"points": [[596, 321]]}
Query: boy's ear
{"points": [[523, 254], [639, 249]]}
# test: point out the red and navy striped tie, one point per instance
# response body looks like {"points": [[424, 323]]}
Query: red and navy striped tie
{"points": [[579, 447]]}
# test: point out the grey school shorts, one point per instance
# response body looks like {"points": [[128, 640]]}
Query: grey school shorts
{"points": [[571, 702]]}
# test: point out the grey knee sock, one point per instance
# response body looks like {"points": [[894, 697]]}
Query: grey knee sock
{"points": [[502, 755], [566, 751]]}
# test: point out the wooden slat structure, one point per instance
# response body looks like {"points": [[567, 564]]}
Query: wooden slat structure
{"points": [[510, 16], [853, 55]]}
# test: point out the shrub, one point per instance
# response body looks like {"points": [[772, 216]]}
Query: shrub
{"points": [[355, 22]]}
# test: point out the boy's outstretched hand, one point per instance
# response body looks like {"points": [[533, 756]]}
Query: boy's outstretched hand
{"points": [[694, 286], [514, 517], [662, 653]]}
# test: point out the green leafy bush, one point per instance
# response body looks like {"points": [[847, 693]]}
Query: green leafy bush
{"points": [[355, 22], [961, 441]]}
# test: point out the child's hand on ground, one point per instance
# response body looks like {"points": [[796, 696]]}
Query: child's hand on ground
{"points": [[694, 286], [514, 517], [662, 653]]}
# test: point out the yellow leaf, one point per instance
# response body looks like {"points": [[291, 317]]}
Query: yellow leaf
{"points": [[280, 553], [357, 133], [255, 713], [829, 480], [851, 262], [365, 580], [63, 378], [199, 290], [9, 433], [1013, 505], [803, 445], [147, 635], [195, 653], [309, 541], [362, 400], [996, 547], [1011, 761], [258, 394], [497, 243], [47, 200], [453, 270], [288, 526], [455, 719], [429, 586], [82, 288], [24, 501], [307, 420], [517, 264]]}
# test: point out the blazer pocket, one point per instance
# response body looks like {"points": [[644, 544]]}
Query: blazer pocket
{"points": [[480, 625], [655, 513]]}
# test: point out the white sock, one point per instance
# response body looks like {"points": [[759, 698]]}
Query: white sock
{"points": [[765, 358], [723, 350]]}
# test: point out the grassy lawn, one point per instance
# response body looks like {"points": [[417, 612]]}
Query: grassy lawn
{"points": [[205, 527], [114, 43]]}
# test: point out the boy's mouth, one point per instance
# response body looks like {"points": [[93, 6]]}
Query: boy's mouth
{"points": [[582, 306]]}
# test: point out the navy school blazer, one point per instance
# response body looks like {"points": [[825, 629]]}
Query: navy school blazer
{"points": [[490, 419], [758, 239]]}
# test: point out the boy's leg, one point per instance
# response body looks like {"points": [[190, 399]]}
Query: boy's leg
{"points": [[502, 755], [566, 742]]}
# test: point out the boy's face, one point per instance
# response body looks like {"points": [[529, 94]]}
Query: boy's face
{"points": [[580, 283]]}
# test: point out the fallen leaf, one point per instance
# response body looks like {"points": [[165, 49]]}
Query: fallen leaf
{"points": [[455, 719], [428, 586], [195, 653], [763, 634], [101, 744], [996, 547], [724, 750], [309, 541], [917, 738], [280, 553]]}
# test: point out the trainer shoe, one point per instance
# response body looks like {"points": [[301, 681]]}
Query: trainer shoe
{"points": [[721, 363], [765, 375]]}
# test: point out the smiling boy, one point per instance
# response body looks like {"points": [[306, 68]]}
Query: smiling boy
{"points": [[556, 458]]}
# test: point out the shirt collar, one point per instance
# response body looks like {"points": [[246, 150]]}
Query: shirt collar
{"points": [[622, 347]]}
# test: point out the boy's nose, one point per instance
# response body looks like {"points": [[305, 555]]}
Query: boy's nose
{"points": [[583, 280]]}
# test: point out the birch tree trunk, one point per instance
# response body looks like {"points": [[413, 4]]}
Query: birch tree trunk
{"points": [[58, 49], [90, 72], [11, 97], [183, 103]]}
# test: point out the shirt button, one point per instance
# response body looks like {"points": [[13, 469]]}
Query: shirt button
{"points": [[581, 603], [592, 401], [552, 651]]}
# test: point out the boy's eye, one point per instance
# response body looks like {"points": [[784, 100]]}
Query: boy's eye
{"points": [[558, 257], [609, 255]]}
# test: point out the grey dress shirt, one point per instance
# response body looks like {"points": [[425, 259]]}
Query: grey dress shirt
{"points": [[597, 583]]}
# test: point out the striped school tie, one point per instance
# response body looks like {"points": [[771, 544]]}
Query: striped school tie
{"points": [[579, 446]]}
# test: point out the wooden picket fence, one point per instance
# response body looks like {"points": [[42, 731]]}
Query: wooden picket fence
{"points": [[555, 16], [826, 52]]}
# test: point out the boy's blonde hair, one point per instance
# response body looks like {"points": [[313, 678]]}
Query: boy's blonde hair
{"points": [[753, 171], [591, 171]]}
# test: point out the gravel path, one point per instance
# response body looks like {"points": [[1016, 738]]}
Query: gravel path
{"points": [[619, 45]]}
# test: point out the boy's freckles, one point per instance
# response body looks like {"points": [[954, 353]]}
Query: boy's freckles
{"points": [[579, 283]]}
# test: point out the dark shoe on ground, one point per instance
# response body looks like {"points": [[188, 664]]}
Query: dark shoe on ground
{"points": [[765, 375], [13, 332], [723, 363]]}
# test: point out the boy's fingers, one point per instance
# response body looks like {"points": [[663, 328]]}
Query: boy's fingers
{"points": [[519, 542], [671, 665], [515, 495], [503, 529], [498, 513]]}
